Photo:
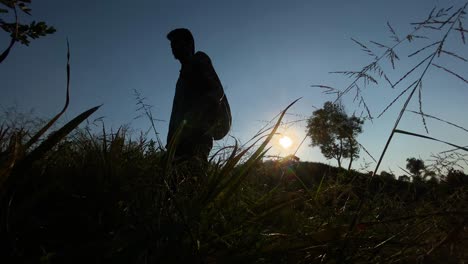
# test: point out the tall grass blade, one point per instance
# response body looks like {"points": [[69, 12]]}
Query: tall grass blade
{"points": [[462, 33], [431, 138], [319, 188], [258, 154], [424, 48], [222, 180], [67, 101], [56, 136], [394, 34], [430, 57], [439, 119], [396, 99], [451, 72], [455, 55]]}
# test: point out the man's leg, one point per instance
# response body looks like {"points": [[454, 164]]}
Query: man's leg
{"points": [[191, 159]]}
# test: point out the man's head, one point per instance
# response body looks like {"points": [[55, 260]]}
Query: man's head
{"points": [[182, 43]]}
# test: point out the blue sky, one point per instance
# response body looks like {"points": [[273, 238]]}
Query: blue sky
{"points": [[266, 53]]}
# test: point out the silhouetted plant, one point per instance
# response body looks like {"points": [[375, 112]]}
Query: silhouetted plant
{"points": [[20, 32], [17, 158], [456, 178], [415, 166], [146, 111], [442, 162], [445, 20], [334, 132]]}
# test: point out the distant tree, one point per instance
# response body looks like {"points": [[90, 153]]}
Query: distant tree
{"points": [[404, 178], [456, 178], [20, 32], [415, 166], [386, 175], [335, 133]]}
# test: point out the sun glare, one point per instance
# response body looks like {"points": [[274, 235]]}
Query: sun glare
{"points": [[285, 142]]}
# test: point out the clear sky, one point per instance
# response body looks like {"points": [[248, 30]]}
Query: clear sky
{"points": [[266, 52]]}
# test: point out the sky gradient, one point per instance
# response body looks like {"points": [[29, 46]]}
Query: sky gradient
{"points": [[266, 53]]}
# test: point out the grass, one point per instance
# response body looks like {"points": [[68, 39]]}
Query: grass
{"points": [[80, 196], [105, 198]]}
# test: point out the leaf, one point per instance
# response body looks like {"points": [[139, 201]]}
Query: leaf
{"points": [[451, 72], [8, 3], [454, 55], [17, 173], [36, 137], [394, 35], [328, 89], [358, 75], [393, 56], [388, 81], [56, 136], [420, 106], [379, 44], [364, 47], [430, 14], [431, 138], [439, 119], [366, 108], [424, 48], [24, 8], [396, 99], [461, 31], [414, 68]]}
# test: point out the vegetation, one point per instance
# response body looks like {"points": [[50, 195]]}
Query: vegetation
{"points": [[335, 133], [20, 32], [80, 196], [106, 197], [431, 40], [415, 166]]}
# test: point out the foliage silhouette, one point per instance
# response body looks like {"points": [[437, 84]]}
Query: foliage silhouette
{"points": [[20, 32], [334, 132], [415, 166]]}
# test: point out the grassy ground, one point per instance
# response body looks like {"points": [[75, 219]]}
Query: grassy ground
{"points": [[108, 198]]}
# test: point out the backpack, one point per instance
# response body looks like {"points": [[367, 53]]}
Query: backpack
{"points": [[223, 119], [219, 123]]}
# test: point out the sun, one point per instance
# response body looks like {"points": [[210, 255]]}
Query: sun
{"points": [[285, 142]]}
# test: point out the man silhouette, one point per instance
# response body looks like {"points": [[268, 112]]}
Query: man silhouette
{"points": [[197, 96]]}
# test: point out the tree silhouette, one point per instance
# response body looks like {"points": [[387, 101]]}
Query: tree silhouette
{"points": [[334, 132], [415, 166], [20, 32]]}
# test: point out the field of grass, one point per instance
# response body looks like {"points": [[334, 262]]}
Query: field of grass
{"points": [[114, 197]]}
